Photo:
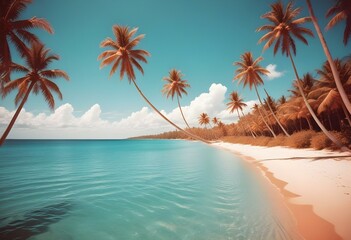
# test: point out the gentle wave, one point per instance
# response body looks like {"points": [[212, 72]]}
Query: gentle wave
{"points": [[130, 190]]}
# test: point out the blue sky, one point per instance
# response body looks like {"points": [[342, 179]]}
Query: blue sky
{"points": [[201, 38]]}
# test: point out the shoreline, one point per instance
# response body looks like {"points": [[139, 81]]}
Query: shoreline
{"points": [[315, 185]]}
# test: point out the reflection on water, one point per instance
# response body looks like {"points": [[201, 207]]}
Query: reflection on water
{"points": [[34, 222]]}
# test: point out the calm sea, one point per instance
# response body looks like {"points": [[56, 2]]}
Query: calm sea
{"points": [[130, 189]]}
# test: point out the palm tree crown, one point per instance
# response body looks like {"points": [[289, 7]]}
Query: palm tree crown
{"points": [[204, 119], [175, 85], [123, 53], [235, 102], [341, 11], [249, 70], [283, 27], [16, 31], [37, 75]]}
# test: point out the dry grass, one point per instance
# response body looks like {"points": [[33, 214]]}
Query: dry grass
{"points": [[300, 139], [320, 141]]}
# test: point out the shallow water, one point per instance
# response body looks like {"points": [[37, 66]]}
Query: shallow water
{"points": [[130, 189]]}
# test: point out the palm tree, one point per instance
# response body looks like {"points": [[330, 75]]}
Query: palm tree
{"points": [[16, 31], [175, 85], [326, 91], [236, 103], [249, 72], [284, 27], [36, 79], [341, 11], [124, 55], [216, 121], [204, 119], [344, 13], [269, 104]]}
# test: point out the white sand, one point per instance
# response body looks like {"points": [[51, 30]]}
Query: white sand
{"points": [[320, 178]]}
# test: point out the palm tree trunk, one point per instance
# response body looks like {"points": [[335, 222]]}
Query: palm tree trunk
{"points": [[180, 108], [335, 72], [165, 118], [275, 117], [259, 99], [325, 131], [245, 126], [346, 114], [241, 126], [13, 120], [309, 123]]}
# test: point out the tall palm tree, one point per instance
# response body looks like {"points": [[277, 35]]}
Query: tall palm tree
{"points": [[341, 11], [16, 31], [344, 13], [175, 85], [248, 73], [284, 27], [36, 79], [204, 119], [124, 55]]}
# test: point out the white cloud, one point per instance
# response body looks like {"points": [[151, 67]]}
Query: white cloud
{"points": [[63, 123], [273, 72]]}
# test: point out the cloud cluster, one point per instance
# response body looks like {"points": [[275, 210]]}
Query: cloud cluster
{"points": [[273, 72], [62, 123]]}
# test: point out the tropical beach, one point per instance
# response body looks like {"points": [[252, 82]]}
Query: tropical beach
{"points": [[220, 120]]}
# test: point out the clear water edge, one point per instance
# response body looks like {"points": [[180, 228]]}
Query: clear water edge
{"points": [[132, 189]]}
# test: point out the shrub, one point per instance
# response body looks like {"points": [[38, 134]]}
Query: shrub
{"points": [[280, 140], [342, 138], [320, 141], [300, 139]]}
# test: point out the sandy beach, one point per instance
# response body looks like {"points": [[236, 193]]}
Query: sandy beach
{"points": [[315, 184]]}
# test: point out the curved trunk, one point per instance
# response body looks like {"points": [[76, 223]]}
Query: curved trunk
{"points": [[242, 127], [165, 118], [325, 131], [180, 108], [335, 72], [252, 131], [13, 120], [252, 134], [275, 117], [265, 122]]}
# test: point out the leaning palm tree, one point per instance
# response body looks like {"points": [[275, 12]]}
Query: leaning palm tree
{"points": [[36, 79], [269, 104], [341, 11], [16, 31], [124, 55], [248, 73], [175, 85], [204, 119], [344, 13], [284, 27]]}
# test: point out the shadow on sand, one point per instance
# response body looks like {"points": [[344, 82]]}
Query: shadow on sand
{"points": [[35, 222]]}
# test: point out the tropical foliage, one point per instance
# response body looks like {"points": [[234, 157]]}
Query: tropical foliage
{"points": [[16, 31]]}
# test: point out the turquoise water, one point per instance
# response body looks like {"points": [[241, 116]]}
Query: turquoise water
{"points": [[130, 189]]}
